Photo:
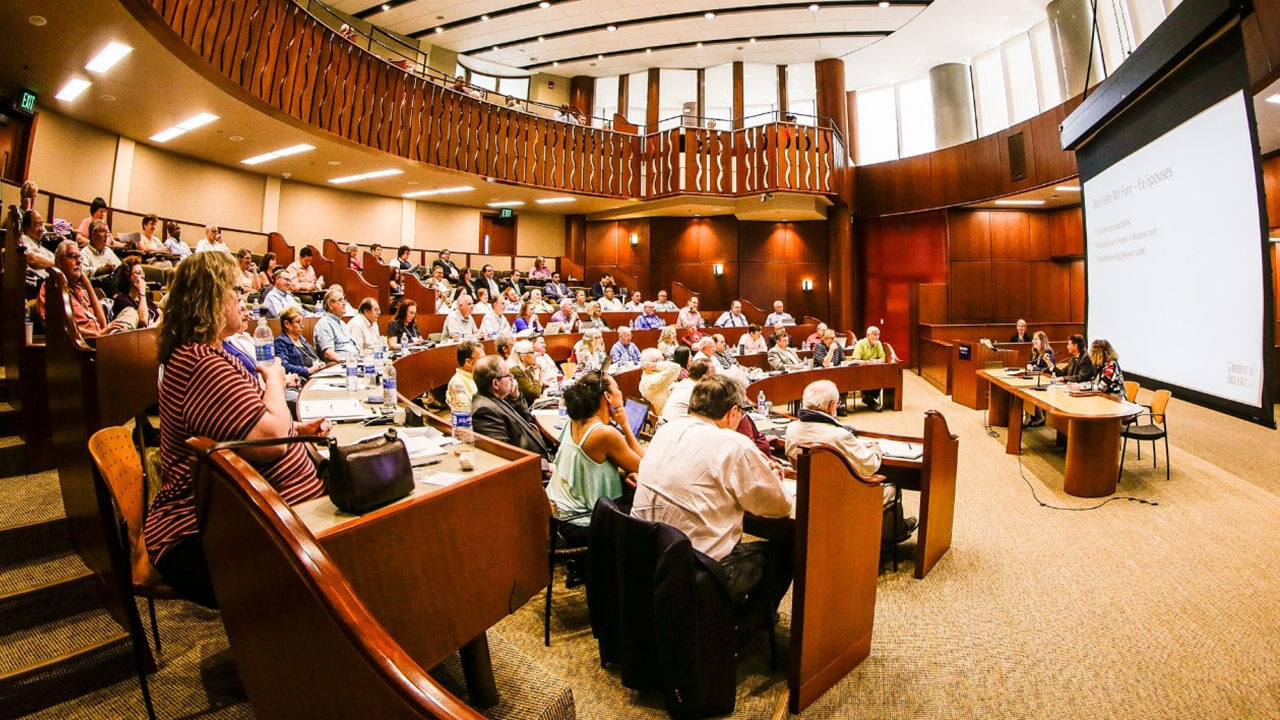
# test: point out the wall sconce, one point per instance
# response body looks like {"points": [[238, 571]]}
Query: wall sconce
{"points": [[717, 270], [806, 285], [635, 239]]}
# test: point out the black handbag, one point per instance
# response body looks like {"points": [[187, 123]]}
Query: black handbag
{"points": [[359, 477]]}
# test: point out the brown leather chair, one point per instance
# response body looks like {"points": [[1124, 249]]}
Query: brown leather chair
{"points": [[305, 645]]}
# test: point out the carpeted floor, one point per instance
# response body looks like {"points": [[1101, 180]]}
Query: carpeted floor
{"points": [[1129, 610]]}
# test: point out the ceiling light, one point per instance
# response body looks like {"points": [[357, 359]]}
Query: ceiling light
{"points": [[612, 28], [555, 201], [284, 152], [1019, 202], [365, 176], [438, 191], [1067, 188], [72, 89], [710, 16], [544, 4], [110, 55], [506, 203]]}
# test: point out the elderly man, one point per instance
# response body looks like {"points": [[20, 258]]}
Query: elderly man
{"points": [[555, 290], [624, 352], [460, 325], [870, 350], [39, 259], [700, 476], [649, 319], [567, 316], [330, 336], [212, 240], [85, 311], [98, 258], [656, 378], [462, 386], [782, 356], [363, 328], [635, 304], [828, 352], [304, 276], [495, 415], [779, 316], [677, 404], [816, 423], [663, 304], [495, 322], [732, 317], [280, 295]]}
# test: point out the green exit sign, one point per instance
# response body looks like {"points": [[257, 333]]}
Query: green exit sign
{"points": [[506, 213], [27, 102]]}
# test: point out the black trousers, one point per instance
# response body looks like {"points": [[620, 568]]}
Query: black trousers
{"points": [[184, 569]]}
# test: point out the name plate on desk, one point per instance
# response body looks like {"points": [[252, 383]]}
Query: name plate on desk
{"points": [[965, 350]]}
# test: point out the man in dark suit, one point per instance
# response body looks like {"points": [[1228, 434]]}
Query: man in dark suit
{"points": [[494, 414]]}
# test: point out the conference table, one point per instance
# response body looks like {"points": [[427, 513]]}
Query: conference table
{"points": [[1089, 424], [441, 566]]}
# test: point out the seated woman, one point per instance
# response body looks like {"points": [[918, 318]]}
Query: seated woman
{"points": [[1107, 378], [667, 341], [589, 352], [597, 447], [297, 355], [403, 328], [1041, 362], [206, 392], [527, 319], [131, 292]]}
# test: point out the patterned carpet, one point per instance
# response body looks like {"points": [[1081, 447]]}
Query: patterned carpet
{"points": [[1129, 610]]}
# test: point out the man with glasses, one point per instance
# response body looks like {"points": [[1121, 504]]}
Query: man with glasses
{"points": [[85, 310], [496, 412]]}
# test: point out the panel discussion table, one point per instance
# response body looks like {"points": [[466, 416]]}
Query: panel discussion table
{"points": [[443, 565], [1090, 425]]}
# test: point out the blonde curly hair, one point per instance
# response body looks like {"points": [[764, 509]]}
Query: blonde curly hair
{"points": [[194, 311]]}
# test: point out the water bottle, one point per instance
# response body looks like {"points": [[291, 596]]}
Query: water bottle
{"points": [[353, 377], [760, 404], [464, 439], [264, 343], [389, 399]]}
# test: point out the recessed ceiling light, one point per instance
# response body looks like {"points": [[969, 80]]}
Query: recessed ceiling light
{"points": [[506, 203], [612, 28], [365, 176], [190, 123], [110, 55], [1019, 202], [38, 20], [283, 152], [438, 191], [1067, 188], [72, 89], [710, 16], [555, 201]]}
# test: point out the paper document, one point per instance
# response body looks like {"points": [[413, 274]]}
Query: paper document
{"points": [[344, 409], [901, 450]]}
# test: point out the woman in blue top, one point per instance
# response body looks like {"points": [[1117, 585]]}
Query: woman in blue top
{"points": [[297, 355], [597, 448]]}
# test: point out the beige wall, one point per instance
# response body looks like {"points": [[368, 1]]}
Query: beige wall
{"points": [[309, 214], [540, 234], [176, 186], [71, 158]]}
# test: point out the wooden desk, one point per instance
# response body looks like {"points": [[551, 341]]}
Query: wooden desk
{"points": [[789, 387], [440, 567], [1091, 426]]}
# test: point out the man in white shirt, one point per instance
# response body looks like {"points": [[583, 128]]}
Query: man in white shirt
{"points": [[779, 316], [363, 328], [733, 317], [700, 476], [663, 304], [97, 258], [212, 240], [609, 303], [460, 325], [635, 304], [677, 405]]}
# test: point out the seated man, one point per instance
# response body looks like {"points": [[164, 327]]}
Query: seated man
{"points": [[828, 352], [782, 356], [732, 317], [677, 405], [870, 350], [280, 295], [567, 316], [663, 304], [462, 386], [779, 316], [330, 336], [817, 424], [85, 309], [495, 414], [363, 328], [460, 325], [304, 275], [624, 352], [700, 476], [648, 319], [635, 304]]}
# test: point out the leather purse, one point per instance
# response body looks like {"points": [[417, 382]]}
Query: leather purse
{"points": [[358, 478]]}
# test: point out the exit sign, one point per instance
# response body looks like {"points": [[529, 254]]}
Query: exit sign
{"points": [[27, 102], [506, 213]]}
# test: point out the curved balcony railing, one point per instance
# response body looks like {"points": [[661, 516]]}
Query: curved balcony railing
{"points": [[285, 58]]}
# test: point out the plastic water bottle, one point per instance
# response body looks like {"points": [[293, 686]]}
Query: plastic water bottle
{"points": [[353, 373], [264, 343], [760, 404], [389, 399], [464, 438]]}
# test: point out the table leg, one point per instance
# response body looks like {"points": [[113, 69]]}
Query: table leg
{"points": [[1013, 444], [998, 410], [1093, 457], [477, 670]]}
